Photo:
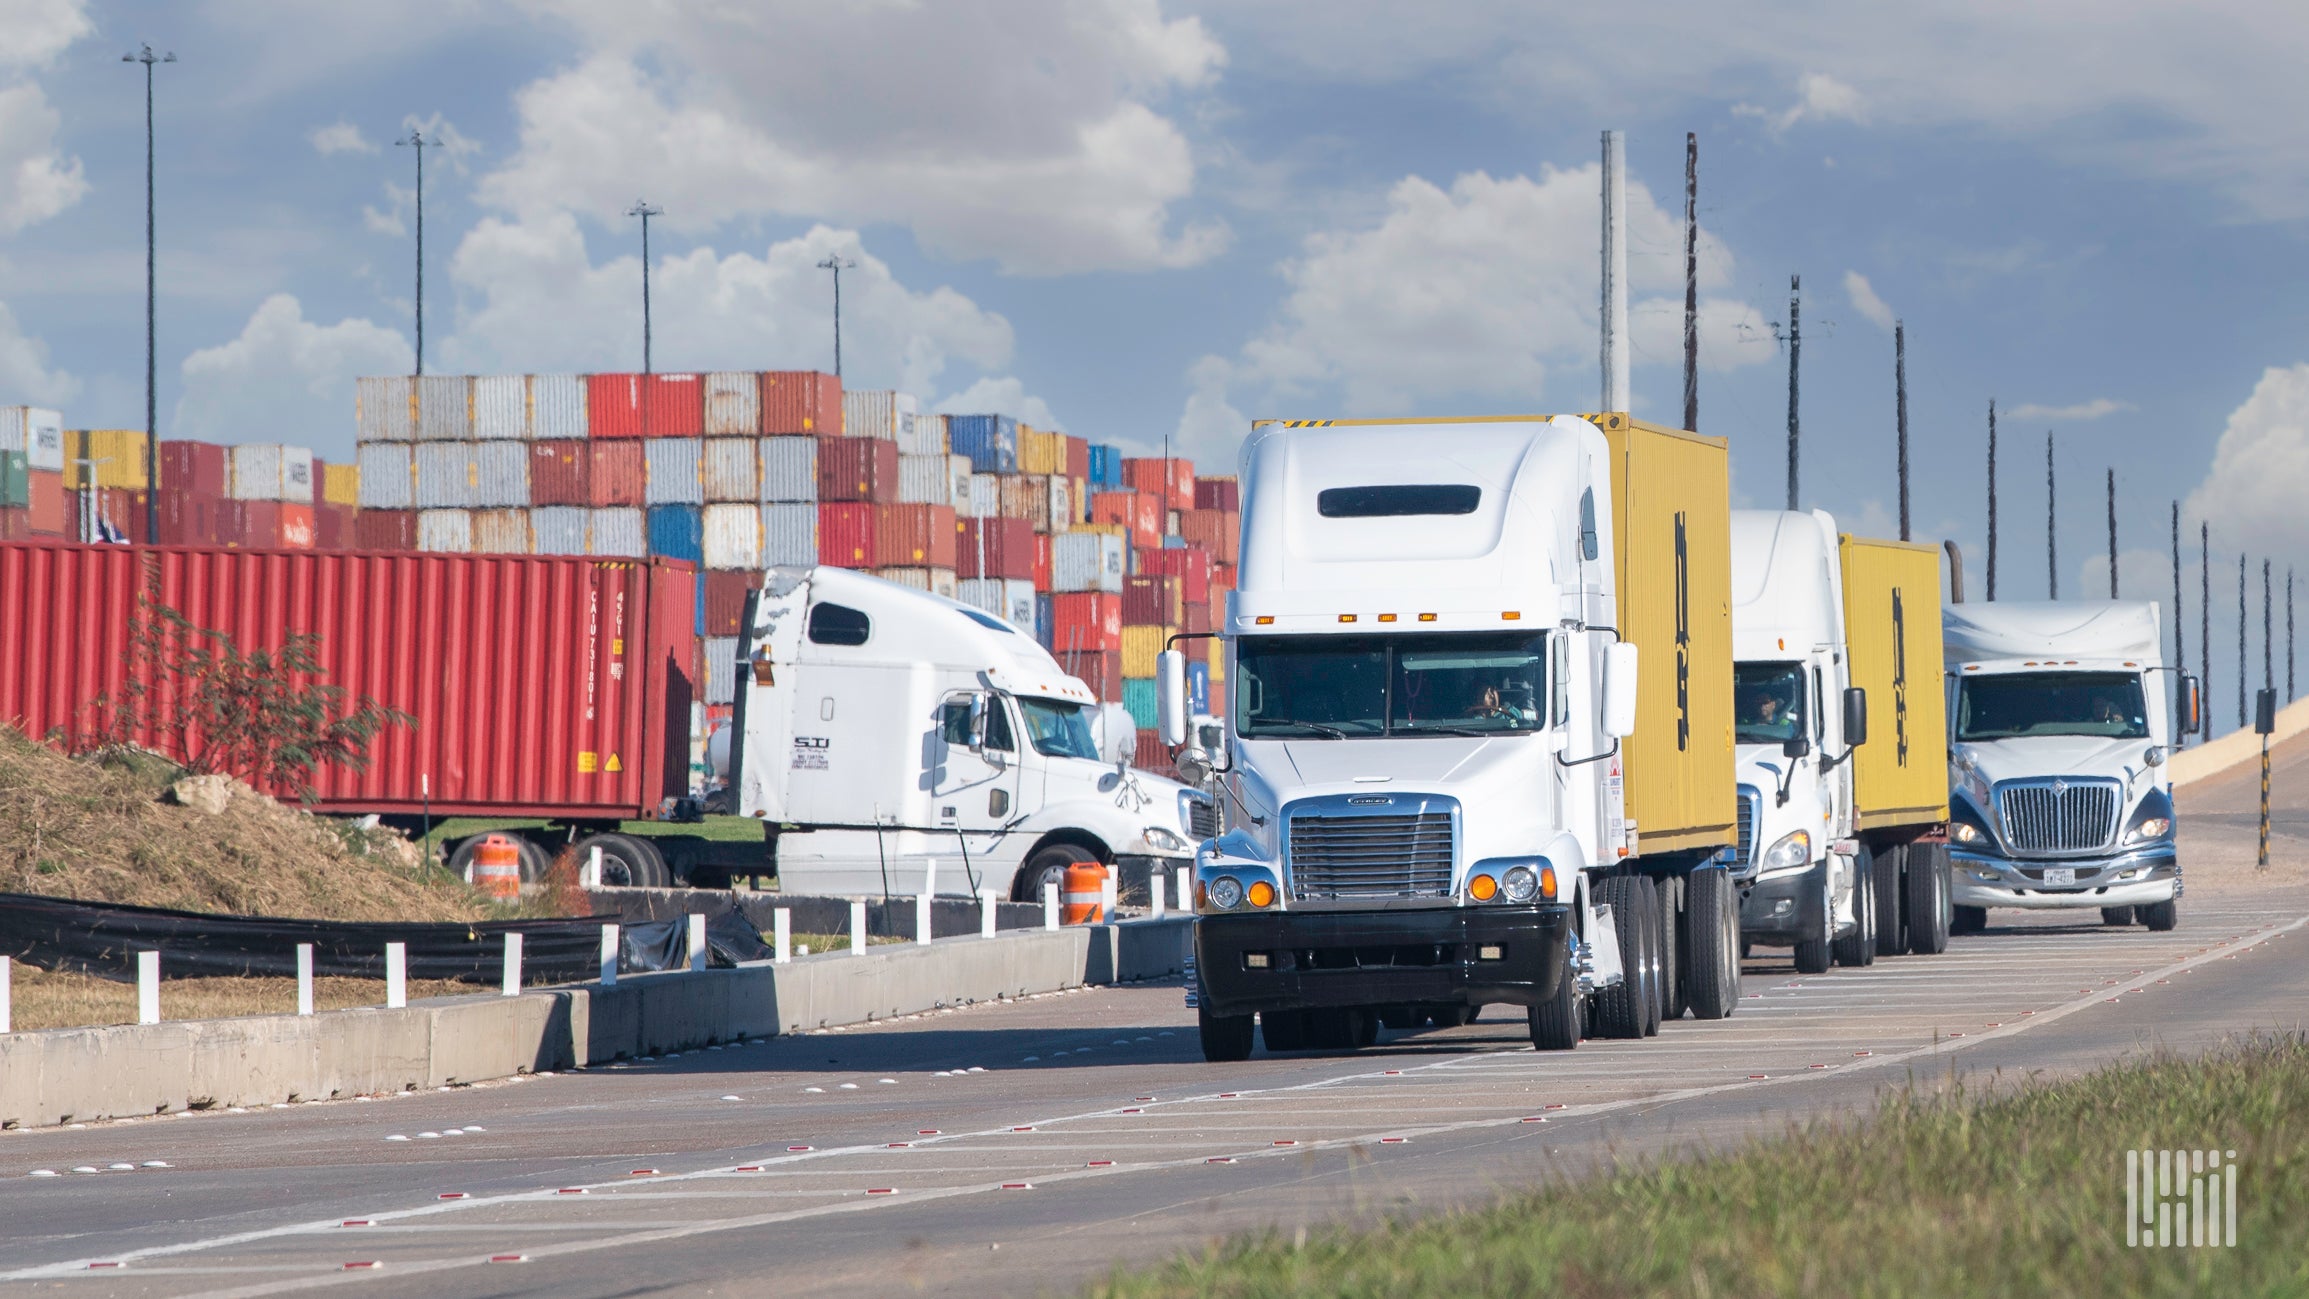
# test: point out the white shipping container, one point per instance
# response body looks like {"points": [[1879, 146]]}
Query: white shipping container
{"points": [[673, 472], [1062, 504], [557, 406], [500, 474], [733, 404], [942, 582], [502, 532], [732, 470], [449, 531], [385, 408], [35, 431], [387, 481], [1086, 561], [877, 414], [445, 476], [917, 579], [501, 406], [1009, 599], [789, 534], [733, 537], [985, 498], [560, 529], [925, 437], [790, 469], [622, 531], [721, 668], [929, 480], [444, 407], [263, 471]]}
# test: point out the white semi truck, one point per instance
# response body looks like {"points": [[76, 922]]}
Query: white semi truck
{"points": [[894, 741], [2060, 717], [1447, 783], [1842, 852]]}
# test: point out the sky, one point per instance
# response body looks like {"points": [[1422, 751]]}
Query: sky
{"points": [[1149, 221]]}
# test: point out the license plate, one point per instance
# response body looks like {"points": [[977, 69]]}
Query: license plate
{"points": [[2060, 875]]}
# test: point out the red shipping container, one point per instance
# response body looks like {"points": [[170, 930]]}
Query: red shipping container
{"points": [[1170, 481], [914, 536], [1152, 757], [1222, 578], [613, 405], [726, 601], [385, 530], [801, 401], [123, 508], [619, 475], [49, 511], [1153, 600], [1141, 513], [858, 469], [673, 406], [196, 467], [1078, 463], [542, 686], [1085, 621], [188, 519], [1216, 531], [296, 526], [1005, 545], [252, 525], [559, 472], [332, 527], [1042, 561], [1220, 493], [1185, 562], [846, 531], [1101, 670], [1198, 619]]}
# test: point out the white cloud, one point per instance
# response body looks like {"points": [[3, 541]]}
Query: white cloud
{"points": [[1000, 395], [36, 180], [285, 379], [1819, 97], [2097, 408], [39, 30], [1210, 430], [2260, 471], [340, 137], [535, 300], [1865, 301], [1028, 131], [26, 377]]}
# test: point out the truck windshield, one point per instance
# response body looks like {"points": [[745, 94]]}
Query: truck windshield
{"points": [[1767, 702], [2013, 704], [1335, 687], [1058, 730]]}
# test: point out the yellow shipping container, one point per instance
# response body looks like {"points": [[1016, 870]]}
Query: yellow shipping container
{"points": [[1140, 646], [1041, 451], [1892, 631], [118, 453], [341, 484]]}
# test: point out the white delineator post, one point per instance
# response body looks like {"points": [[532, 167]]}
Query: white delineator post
{"points": [[148, 987], [396, 975], [592, 879], [6, 1011], [697, 941], [987, 899], [1186, 889], [609, 949], [782, 933], [1049, 905], [1154, 884], [1106, 897], [922, 918], [857, 929], [512, 986], [304, 978]]}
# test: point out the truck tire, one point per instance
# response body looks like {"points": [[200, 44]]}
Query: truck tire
{"points": [[536, 860], [1619, 1010], [1928, 899], [1049, 864], [1967, 920], [2160, 916], [1555, 1023], [1891, 862], [1283, 1030], [1814, 952], [1341, 1028], [1226, 1038], [1712, 919], [2119, 916], [1858, 949], [1655, 997], [1672, 944], [627, 861]]}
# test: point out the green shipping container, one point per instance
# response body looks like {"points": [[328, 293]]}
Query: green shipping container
{"points": [[1138, 695], [15, 480]]}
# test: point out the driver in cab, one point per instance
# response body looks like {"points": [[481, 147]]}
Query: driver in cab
{"points": [[1767, 711]]}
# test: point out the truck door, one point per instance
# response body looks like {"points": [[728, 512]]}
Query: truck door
{"points": [[977, 790]]}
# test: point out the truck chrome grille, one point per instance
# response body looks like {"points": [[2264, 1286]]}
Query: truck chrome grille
{"points": [[1203, 818], [1387, 856], [2058, 816], [1749, 799]]}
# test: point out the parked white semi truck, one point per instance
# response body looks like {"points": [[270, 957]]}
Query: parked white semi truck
{"points": [[1448, 784], [894, 741], [2060, 716], [1842, 851]]}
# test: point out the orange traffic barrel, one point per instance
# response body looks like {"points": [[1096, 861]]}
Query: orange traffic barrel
{"points": [[497, 867], [1079, 896]]}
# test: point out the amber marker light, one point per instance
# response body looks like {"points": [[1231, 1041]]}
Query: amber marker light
{"points": [[1547, 883], [1265, 620], [1346, 617], [1511, 616], [1386, 617], [1261, 894], [1482, 887], [1426, 617]]}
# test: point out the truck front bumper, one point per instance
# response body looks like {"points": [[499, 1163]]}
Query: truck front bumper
{"points": [[1985, 878], [1433, 956], [1781, 909]]}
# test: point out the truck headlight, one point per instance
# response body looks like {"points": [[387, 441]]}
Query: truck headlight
{"points": [[1793, 849], [1162, 840], [1965, 832], [1520, 884], [2156, 827], [1226, 893]]}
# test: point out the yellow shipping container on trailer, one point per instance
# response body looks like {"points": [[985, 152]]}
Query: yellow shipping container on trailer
{"points": [[1892, 630]]}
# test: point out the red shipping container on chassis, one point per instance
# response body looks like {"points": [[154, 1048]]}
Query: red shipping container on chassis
{"points": [[1193, 566], [1086, 622], [858, 469], [1005, 545], [846, 532], [618, 474], [1219, 494], [543, 686], [196, 467], [560, 472], [914, 536], [384, 530], [801, 401], [726, 601]]}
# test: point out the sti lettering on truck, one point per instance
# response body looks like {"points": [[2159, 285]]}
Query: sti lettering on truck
{"points": [[1449, 783], [2060, 715]]}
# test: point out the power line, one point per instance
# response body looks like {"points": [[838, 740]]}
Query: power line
{"points": [[642, 209], [416, 140], [837, 265], [145, 56]]}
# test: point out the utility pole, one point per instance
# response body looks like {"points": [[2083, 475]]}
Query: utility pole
{"points": [[2180, 642], [2289, 695], [1614, 305], [2205, 616], [1692, 285], [1900, 412], [2051, 535], [146, 57], [837, 265], [1992, 498], [642, 209], [2242, 643], [416, 140], [2112, 532], [2268, 652], [1795, 360]]}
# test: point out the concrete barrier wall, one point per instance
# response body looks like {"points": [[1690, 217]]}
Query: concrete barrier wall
{"points": [[81, 1074], [950, 917], [2211, 759]]}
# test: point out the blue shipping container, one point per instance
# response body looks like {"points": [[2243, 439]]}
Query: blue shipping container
{"points": [[1138, 695], [991, 441], [1106, 469], [701, 625], [1198, 686], [1043, 620], [678, 532]]}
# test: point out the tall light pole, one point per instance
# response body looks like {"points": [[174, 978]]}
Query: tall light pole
{"points": [[837, 265], [416, 140], [145, 56], [642, 209]]}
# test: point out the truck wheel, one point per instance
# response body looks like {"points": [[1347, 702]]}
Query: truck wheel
{"points": [[1858, 949], [2160, 916], [2119, 916], [1341, 1028], [1884, 880], [1283, 1030], [1968, 920], [1712, 919], [1928, 894], [1619, 1010], [1049, 866], [1226, 1038], [1655, 997], [1813, 952], [627, 861], [1555, 1023], [1672, 943]]}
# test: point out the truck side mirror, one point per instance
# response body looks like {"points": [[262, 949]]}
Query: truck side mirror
{"points": [[2192, 705], [1855, 717], [1171, 697], [1619, 690], [977, 723], [1795, 746]]}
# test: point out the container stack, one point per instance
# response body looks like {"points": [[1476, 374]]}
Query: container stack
{"points": [[32, 496], [1181, 533]]}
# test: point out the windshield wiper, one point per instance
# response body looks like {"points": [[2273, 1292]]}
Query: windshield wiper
{"points": [[1468, 731], [1327, 732]]}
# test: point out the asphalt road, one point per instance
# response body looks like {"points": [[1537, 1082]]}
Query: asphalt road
{"points": [[1029, 1146]]}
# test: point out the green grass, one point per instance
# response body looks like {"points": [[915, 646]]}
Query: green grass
{"points": [[2015, 1192], [725, 829]]}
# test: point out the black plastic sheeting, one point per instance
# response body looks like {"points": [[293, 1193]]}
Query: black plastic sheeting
{"points": [[102, 938], [664, 944]]}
